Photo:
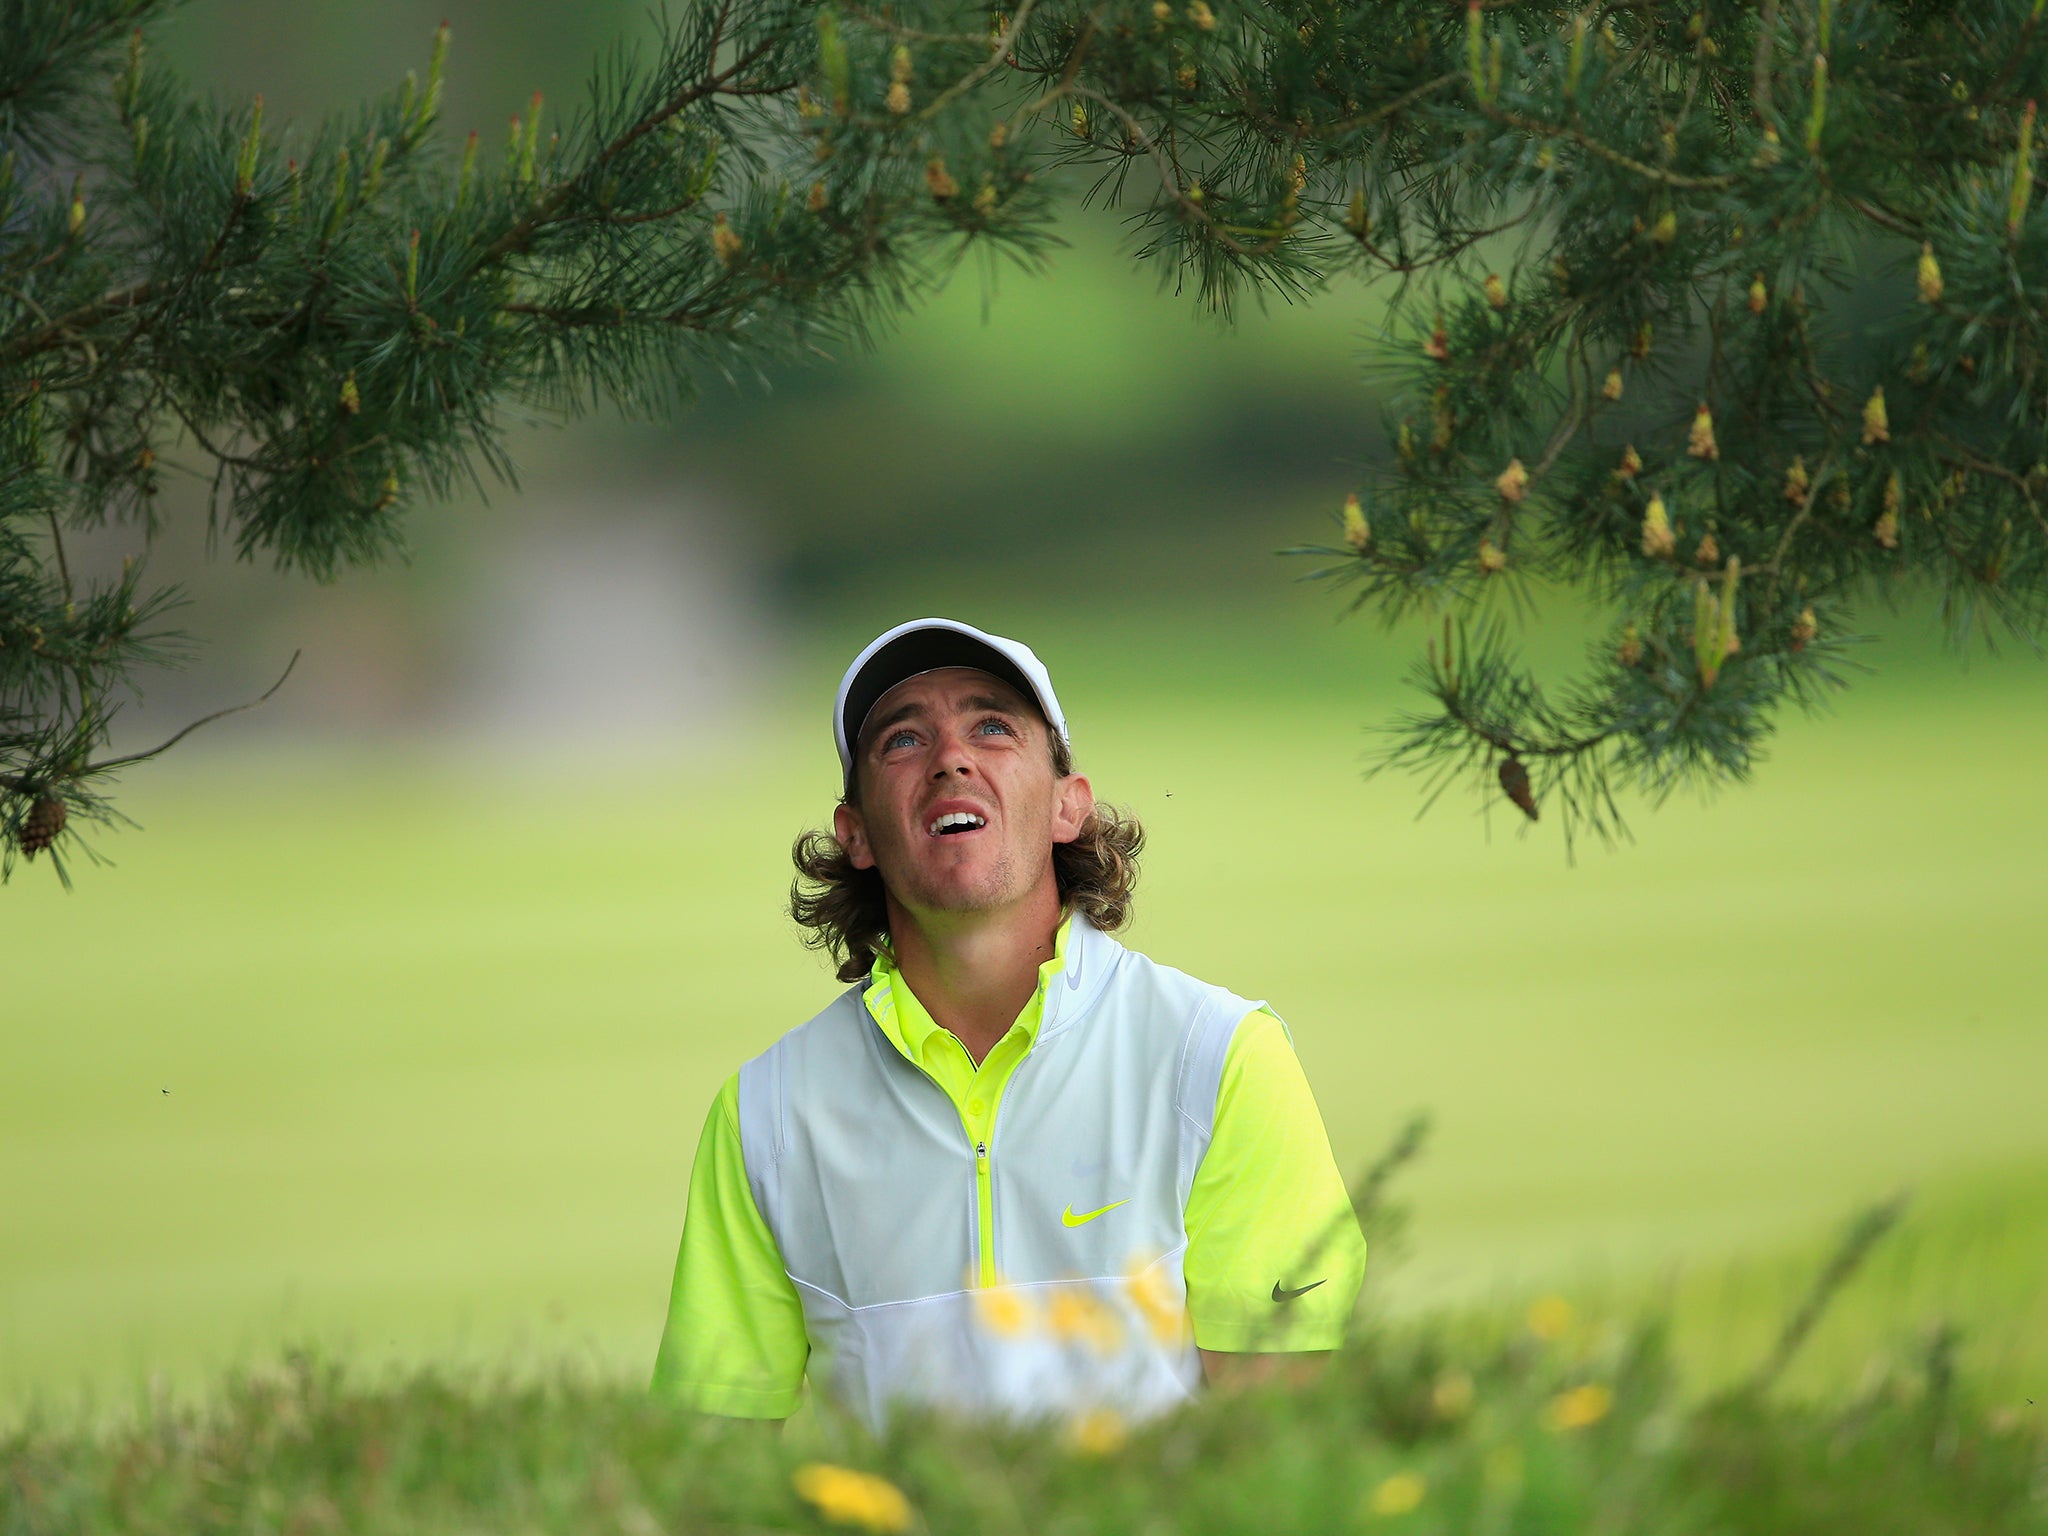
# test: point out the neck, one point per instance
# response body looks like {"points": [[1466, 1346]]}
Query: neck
{"points": [[975, 971]]}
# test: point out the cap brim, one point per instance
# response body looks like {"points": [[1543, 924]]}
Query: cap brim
{"points": [[908, 655]]}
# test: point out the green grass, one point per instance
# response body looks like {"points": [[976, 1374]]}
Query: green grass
{"points": [[439, 1040], [1470, 1430]]}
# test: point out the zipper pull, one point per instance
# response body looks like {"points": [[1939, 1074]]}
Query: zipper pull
{"points": [[981, 1153]]}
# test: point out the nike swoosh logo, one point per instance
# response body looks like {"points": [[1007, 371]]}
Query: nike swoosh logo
{"points": [[1072, 1220], [1280, 1293]]}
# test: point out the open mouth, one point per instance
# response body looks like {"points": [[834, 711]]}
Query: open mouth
{"points": [[953, 823]]}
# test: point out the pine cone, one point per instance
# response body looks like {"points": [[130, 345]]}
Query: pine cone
{"points": [[1514, 782], [44, 821]]}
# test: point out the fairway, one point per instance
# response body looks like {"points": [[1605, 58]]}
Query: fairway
{"points": [[375, 1049]]}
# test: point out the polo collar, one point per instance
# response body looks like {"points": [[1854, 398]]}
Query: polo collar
{"points": [[910, 1026]]}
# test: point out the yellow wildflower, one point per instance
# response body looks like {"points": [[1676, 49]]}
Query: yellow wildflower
{"points": [[1549, 1316], [1075, 1317], [847, 1497], [1003, 1310], [1098, 1432], [1877, 426], [1397, 1495], [1156, 1300], [1452, 1395], [1579, 1407]]}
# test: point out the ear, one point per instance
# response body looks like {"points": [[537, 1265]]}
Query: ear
{"points": [[1072, 804], [853, 837]]}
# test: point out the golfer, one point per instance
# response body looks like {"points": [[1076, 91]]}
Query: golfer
{"points": [[1014, 1169]]}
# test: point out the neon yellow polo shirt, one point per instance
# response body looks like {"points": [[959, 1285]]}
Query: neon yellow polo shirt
{"points": [[1267, 1197]]}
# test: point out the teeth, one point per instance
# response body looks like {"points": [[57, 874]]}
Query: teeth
{"points": [[955, 819]]}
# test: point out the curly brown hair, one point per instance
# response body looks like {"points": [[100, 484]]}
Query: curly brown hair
{"points": [[844, 912]]}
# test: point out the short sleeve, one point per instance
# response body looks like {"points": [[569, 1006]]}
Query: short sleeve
{"points": [[735, 1342], [1275, 1258]]}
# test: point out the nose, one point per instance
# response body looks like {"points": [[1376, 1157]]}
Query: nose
{"points": [[951, 758]]}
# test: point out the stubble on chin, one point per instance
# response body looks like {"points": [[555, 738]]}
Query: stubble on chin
{"points": [[930, 891]]}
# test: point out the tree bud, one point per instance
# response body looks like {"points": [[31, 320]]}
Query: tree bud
{"points": [[725, 240], [1877, 426], [1611, 390], [1929, 275], [1796, 482], [1357, 531], [1512, 482], [1658, 539], [1700, 441]]}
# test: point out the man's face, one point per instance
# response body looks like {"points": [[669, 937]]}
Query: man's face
{"points": [[959, 806]]}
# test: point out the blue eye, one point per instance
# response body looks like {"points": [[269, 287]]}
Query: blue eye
{"points": [[889, 742], [994, 725]]}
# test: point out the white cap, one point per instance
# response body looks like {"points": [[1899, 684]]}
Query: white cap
{"points": [[925, 645]]}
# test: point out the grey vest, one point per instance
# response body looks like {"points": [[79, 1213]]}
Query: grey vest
{"points": [[865, 1175]]}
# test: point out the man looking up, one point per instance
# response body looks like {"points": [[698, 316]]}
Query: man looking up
{"points": [[1015, 1168]]}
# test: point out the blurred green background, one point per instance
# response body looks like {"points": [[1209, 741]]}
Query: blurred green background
{"points": [[396, 1027]]}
